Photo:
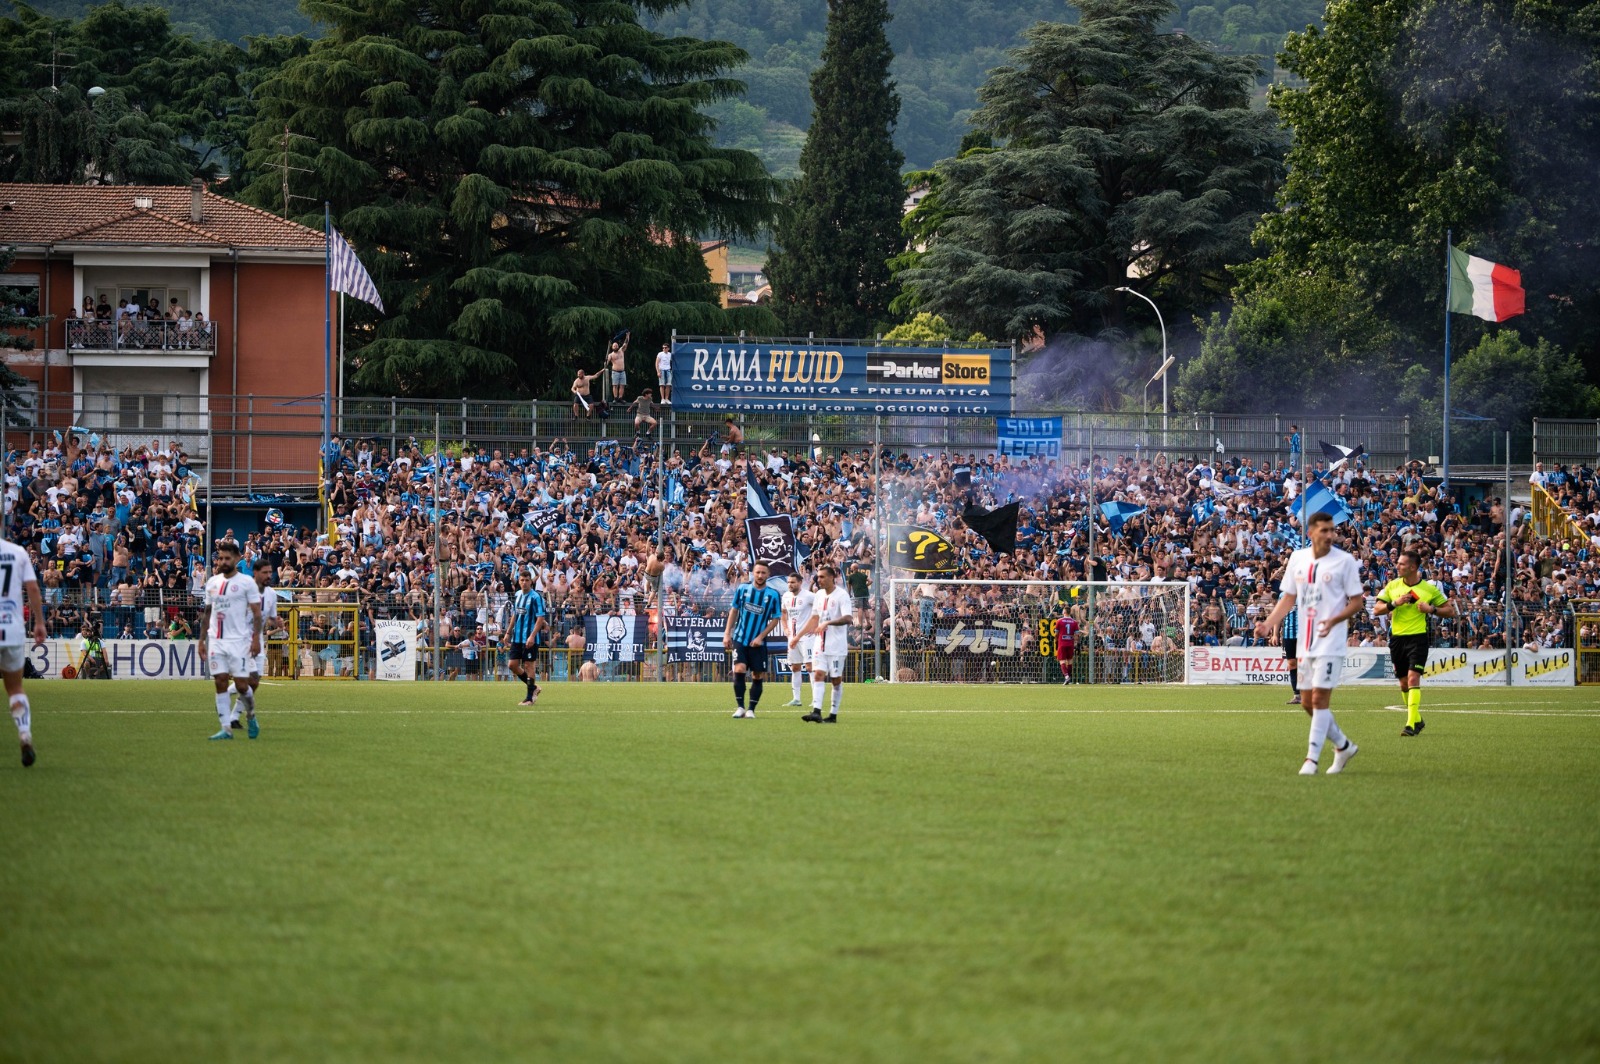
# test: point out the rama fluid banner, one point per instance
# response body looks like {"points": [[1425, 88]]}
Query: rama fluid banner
{"points": [[396, 650], [1447, 667], [722, 375]]}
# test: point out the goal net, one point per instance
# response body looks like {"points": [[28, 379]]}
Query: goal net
{"points": [[1003, 631]]}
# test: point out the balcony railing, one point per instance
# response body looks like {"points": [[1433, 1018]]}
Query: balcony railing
{"points": [[139, 335]]}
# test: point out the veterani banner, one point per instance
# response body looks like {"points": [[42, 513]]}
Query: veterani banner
{"points": [[785, 377], [691, 639]]}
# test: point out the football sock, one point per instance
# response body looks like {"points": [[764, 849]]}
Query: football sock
{"points": [[22, 716], [248, 698], [1294, 679], [817, 687], [794, 680], [1321, 721], [1413, 705], [755, 693], [1064, 672], [1335, 736], [738, 688], [528, 684], [838, 696], [222, 708]]}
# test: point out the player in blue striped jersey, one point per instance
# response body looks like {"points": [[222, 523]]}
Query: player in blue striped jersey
{"points": [[1290, 633], [525, 634], [757, 609]]}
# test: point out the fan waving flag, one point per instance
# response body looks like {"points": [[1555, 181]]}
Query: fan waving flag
{"points": [[1118, 513], [755, 496], [1319, 500], [1484, 289], [1338, 456], [346, 274]]}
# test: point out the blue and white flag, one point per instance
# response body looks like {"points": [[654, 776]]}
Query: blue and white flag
{"points": [[675, 492], [755, 496], [1337, 455], [345, 272], [1318, 499], [274, 518], [1118, 513], [1024, 437]]}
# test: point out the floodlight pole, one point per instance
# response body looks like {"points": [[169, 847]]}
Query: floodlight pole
{"points": [[438, 567], [1165, 361], [1505, 525]]}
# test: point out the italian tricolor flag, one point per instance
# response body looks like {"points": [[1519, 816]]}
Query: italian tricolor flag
{"points": [[1484, 289]]}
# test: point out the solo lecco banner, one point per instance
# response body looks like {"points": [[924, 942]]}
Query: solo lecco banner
{"points": [[1025, 437], [728, 375], [919, 550]]}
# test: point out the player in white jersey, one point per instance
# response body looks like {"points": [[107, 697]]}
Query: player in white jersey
{"points": [[258, 662], [797, 608], [833, 614], [230, 632], [19, 586], [1323, 583]]}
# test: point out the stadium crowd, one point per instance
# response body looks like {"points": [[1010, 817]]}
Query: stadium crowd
{"points": [[116, 531]]}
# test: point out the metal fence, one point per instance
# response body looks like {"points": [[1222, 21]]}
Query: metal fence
{"points": [[249, 443], [1566, 440]]}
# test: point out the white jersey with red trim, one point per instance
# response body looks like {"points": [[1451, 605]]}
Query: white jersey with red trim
{"points": [[797, 609], [230, 599], [1321, 587]]}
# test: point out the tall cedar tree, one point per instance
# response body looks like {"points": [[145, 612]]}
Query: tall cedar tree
{"points": [[842, 222], [1126, 156], [522, 178]]}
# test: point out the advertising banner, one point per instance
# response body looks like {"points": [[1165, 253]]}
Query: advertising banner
{"points": [[128, 659], [729, 375], [397, 649], [1447, 667], [614, 637], [1026, 437]]}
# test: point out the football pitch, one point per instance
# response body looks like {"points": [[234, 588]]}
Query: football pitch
{"points": [[624, 873]]}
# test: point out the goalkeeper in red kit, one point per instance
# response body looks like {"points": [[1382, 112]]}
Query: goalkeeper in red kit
{"points": [[1066, 643]]}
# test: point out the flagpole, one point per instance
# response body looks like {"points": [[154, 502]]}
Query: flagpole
{"points": [[1449, 295], [327, 328], [340, 393]]}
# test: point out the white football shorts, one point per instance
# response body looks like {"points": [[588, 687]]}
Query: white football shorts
{"points": [[11, 658], [800, 651], [225, 660], [1321, 673], [830, 665]]}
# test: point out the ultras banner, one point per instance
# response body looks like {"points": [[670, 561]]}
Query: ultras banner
{"points": [[729, 375]]}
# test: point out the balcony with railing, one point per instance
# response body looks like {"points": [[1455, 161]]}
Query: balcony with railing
{"points": [[136, 334]]}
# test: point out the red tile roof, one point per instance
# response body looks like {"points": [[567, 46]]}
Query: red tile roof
{"points": [[108, 215]]}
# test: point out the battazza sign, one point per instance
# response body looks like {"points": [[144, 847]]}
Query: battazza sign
{"points": [[730, 375]]}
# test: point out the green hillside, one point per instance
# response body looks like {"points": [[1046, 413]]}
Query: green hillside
{"points": [[944, 49]]}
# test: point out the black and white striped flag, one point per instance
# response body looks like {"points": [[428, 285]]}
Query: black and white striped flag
{"points": [[345, 272]]}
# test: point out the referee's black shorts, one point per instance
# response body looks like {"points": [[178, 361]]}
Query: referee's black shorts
{"points": [[1409, 653], [1290, 645], [752, 658]]}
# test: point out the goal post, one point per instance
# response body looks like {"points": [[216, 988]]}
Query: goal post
{"points": [[1003, 631]]}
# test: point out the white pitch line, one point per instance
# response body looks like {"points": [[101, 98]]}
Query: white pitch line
{"points": [[268, 713]]}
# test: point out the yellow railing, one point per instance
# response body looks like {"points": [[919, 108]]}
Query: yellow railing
{"points": [[1551, 521]]}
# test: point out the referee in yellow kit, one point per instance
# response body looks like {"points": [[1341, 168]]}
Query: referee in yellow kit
{"points": [[1412, 600]]}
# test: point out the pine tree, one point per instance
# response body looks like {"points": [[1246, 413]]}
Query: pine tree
{"points": [[1124, 156], [521, 179], [841, 225]]}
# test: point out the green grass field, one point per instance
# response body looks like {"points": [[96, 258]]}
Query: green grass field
{"points": [[428, 873]]}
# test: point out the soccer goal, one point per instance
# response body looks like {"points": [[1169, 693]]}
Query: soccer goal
{"points": [[1003, 631]]}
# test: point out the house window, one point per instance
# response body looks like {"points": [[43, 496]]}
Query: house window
{"points": [[21, 292], [135, 412]]}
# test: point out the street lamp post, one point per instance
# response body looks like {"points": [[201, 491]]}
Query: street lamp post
{"points": [[1166, 361]]}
